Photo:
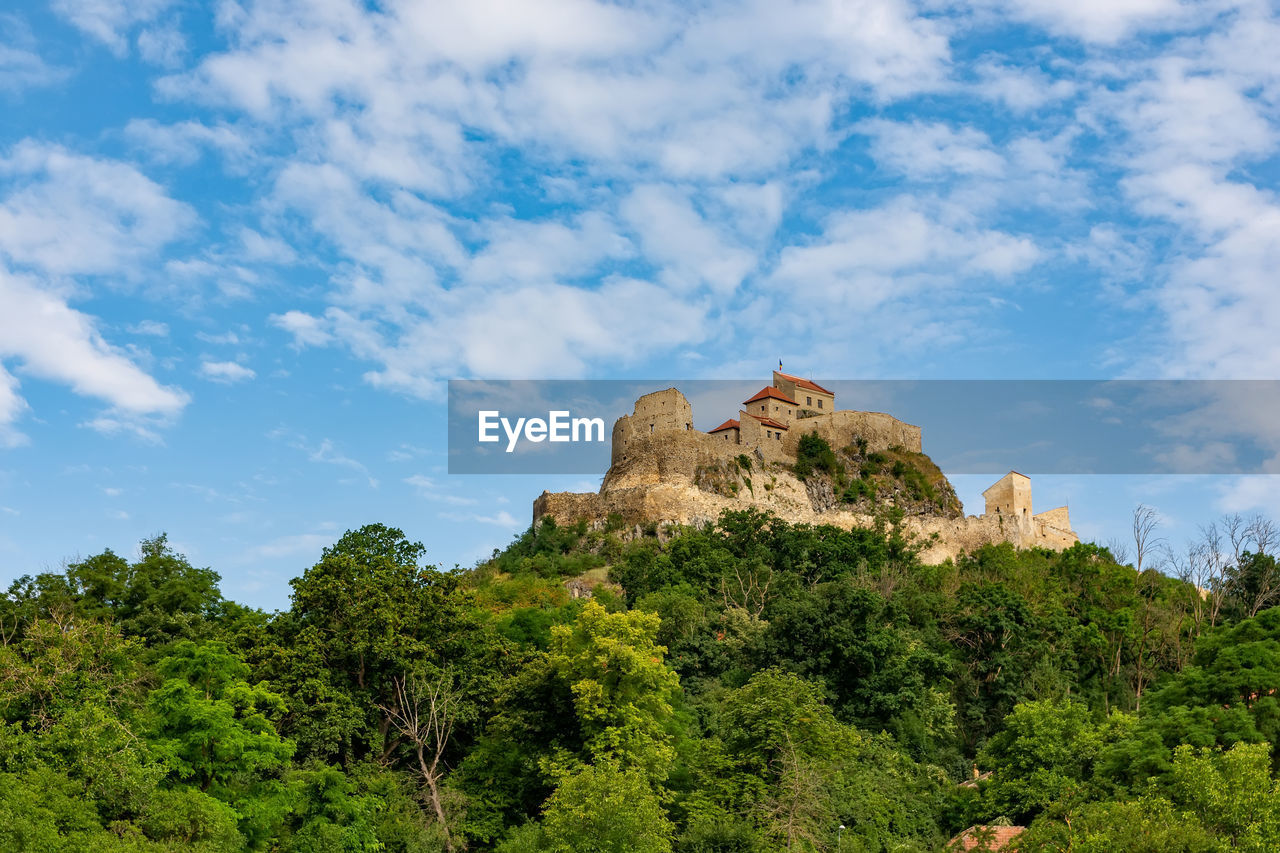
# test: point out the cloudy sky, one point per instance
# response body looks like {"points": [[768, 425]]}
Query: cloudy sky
{"points": [[242, 244]]}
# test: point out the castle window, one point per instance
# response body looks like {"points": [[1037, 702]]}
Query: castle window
{"points": [[819, 402], [778, 436], [764, 409], [650, 427], [808, 401]]}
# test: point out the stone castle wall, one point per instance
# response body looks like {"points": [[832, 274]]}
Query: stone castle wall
{"points": [[840, 429]]}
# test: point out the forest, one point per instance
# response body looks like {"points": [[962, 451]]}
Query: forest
{"points": [[746, 686]]}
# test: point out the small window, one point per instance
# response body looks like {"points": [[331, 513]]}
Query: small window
{"points": [[764, 409], [650, 427], [808, 401], [819, 402]]}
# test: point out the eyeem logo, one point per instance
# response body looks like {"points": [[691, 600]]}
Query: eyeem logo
{"points": [[558, 426]]}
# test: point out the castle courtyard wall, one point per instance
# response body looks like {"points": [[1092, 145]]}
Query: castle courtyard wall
{"points": [[839, 429]]}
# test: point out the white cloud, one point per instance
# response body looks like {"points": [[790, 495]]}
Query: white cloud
{"points": [[108, 21], [152, 328], [290, 546], [433, 491], [671, 130], [1195, 123], [502, 519], [1021, 88], [326, 453], [53, 341], [692, 92], [226, 372], [66, 213], [228, 338], [864, 258], [1103, 21], [306, 330], [926, 150], [22, 69], [184, 142], [691, 251], [164, 46], [257, 247], [533, 252], [11, 407], [141, 428]]}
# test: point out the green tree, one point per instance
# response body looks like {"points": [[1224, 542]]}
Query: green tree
{"points": [[210, 724], [1232, 793], [622, 690], [1149, 825], [605, 808], [367, 613], [1044, 756]]}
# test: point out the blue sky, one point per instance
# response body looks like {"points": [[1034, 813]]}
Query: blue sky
{"points": [[243, 244]]}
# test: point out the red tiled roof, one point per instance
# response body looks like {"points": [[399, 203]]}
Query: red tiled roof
{"points": [[770, 391], [998, 837], [806, 383], [769, 421], [729, 424]]}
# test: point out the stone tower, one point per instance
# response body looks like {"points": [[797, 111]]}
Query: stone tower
{"points": [[1010, 497]]}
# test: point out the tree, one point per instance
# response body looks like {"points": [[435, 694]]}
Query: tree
{"points": [[622, 690], [62, 663], [1044, 756], [210, 724], [362, 617], [1232, 793], [1145, 541], [425, 712], [160, 598], [1149, 825], [858, 645], [605, 808]]}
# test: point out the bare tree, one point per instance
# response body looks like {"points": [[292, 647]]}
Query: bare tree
{"points": [[425, 713], [1189, 567], [748, 589], [1145, 542], [1264, 534], [1119, 550], [1219, 581], [1259, 581], [800, 807]]}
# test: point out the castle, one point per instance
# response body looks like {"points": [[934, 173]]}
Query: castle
{"points": [[660, 468]]}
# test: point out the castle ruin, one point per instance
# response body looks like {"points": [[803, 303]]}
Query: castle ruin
{"points": [[660, 463]]}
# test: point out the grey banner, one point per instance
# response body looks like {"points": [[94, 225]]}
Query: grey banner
{"points": [[967, 426]]}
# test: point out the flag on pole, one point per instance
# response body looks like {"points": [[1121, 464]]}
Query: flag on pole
{"points": [[779, 364]]}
